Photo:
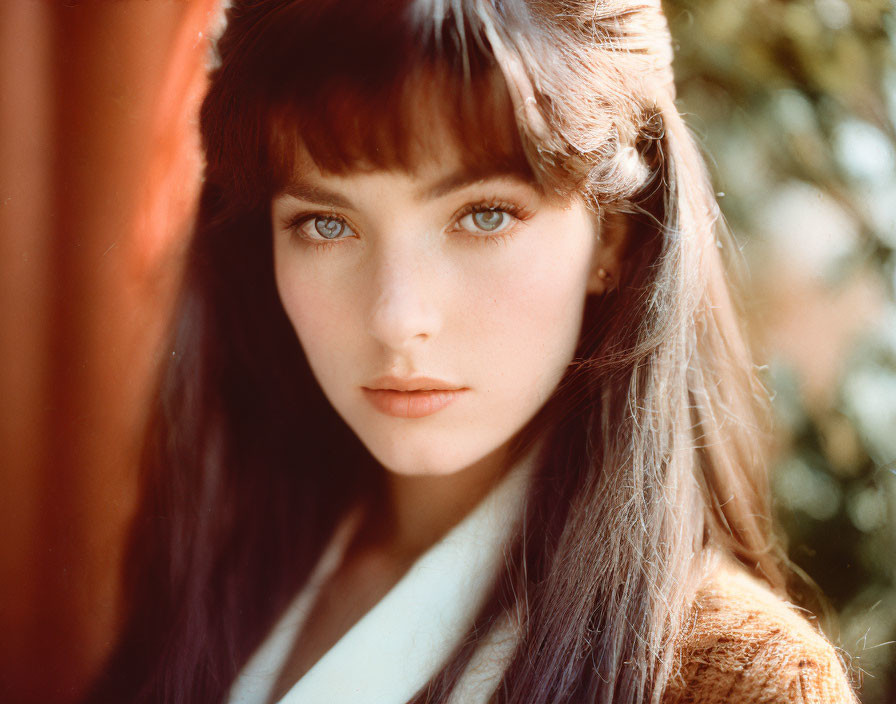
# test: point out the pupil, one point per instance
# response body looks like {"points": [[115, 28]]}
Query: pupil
{"points": [[488, 219], [328, 227]]}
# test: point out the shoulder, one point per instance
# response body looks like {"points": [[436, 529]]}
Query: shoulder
{"points": [[743, 643]]}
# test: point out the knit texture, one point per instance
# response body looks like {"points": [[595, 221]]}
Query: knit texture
{"points": [[745, 645]]}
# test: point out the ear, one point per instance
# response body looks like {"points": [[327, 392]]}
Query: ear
{"points": [[609, 250]]}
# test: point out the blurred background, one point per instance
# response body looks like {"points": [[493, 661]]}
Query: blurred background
{"points": [[794, 103], [795, 106]]}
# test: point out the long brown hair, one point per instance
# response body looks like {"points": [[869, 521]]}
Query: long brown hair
{"points": [[652, 455]]}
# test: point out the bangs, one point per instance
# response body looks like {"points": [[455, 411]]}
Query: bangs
{"points": [[427, 114], [366, 85]]}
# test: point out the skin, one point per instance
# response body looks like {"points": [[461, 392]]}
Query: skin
{"points": [[414, 286]]}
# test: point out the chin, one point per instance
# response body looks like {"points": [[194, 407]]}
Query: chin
{"points": [[424, 459], [439, 454], [426, 463]]}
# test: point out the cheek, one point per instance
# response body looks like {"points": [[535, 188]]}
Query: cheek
{"points": [[534, 306], [318, 313]]}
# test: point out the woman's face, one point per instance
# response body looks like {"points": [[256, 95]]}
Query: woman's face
{"points": [[468, 282]]}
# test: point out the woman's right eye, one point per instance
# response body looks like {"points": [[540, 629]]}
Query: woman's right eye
{"points": [[320, 229]]}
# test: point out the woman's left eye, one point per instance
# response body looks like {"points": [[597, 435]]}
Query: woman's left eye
{"points": [[489, 220]]}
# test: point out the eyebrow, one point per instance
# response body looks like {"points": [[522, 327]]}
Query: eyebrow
{"points": [[315, 194], [468, 176], [312, 193]]}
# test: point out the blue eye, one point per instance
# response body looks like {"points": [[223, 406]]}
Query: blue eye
{"points": [[319, 229], [490, 220], [329, 228]]}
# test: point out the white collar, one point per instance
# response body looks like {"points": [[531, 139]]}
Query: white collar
{"points": [[397, 646]]}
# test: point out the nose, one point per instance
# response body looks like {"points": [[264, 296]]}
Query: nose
{"points": [[404, 309]]}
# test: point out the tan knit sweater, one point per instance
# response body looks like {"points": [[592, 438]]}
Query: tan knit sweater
{"points": [[745, 645]]}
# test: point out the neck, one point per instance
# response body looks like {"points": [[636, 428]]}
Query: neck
{"points": [[419, 510]]}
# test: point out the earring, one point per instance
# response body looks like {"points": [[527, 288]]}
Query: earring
{"points": [[603, 275]]}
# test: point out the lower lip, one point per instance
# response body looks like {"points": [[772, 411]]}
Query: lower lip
{"points": [[410, 404]]}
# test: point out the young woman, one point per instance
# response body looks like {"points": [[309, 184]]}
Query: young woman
{"points": [[456, 407]]}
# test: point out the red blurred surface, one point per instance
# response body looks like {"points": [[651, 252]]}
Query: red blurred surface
{"points": [[99, 169]]}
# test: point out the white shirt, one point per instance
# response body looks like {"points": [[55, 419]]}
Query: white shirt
{"points": [[397, 646]]}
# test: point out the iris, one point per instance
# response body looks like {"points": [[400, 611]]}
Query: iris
{"points": [[488, 220], [330, 228]]}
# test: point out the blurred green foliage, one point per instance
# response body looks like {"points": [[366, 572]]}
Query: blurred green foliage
{"points": [[795, 102]]}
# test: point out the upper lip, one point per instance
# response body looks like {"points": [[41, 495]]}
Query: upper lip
{"points": [[416, 383]]}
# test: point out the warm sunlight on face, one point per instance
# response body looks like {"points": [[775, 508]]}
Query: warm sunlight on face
{"points": [[438, 309]]}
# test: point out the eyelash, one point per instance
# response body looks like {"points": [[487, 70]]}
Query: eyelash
{"points": [[514, 210]]}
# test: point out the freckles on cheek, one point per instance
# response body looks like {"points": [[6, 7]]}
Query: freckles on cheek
{"points": [[535, 309], [542, 287], [522, 324], [309, 306]]}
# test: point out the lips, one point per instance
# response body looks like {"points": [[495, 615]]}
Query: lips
{"points": [[411, 397]]}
